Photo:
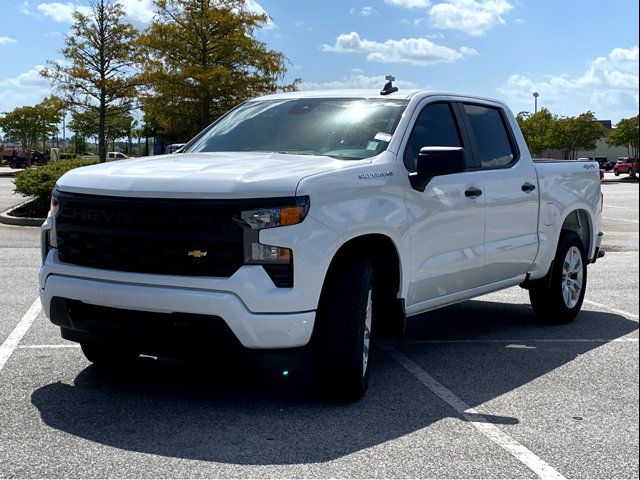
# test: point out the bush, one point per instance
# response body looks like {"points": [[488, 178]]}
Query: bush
{"points": [[38, 182]]}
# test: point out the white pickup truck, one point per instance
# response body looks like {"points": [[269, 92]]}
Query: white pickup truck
{"points": [[316, 218]]}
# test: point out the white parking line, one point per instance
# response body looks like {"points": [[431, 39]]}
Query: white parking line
{"points": [[616, 206], [37, 347], [614, 310], [620, 220], [12, 341], [493, 433]]}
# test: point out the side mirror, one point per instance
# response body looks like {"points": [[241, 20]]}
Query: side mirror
{"points": [[436, 161]]}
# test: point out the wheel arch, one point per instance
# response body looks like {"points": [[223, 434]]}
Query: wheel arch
{"points": [[384, 255], [580, 222]]}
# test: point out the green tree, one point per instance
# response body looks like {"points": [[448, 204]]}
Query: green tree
{"points": [[98, 76], [199, 59], [50, 112], [571, 134], [30, 123], [535, 128], [87, 124], [626, 134]]}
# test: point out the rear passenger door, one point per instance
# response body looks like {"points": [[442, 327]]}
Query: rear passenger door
{"points": [[510, 191]]}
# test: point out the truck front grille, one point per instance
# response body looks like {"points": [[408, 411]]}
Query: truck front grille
{"points": [[160, 236]]}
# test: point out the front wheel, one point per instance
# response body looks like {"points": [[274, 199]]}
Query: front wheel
{"points": [[558, 297], [632, 173], [341, 342], [616, 173]]}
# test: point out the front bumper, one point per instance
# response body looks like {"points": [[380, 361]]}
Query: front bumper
{"points": [[252, 330]]}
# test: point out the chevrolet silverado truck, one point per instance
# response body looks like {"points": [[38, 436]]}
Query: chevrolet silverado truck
{"points": [[316, 218]]}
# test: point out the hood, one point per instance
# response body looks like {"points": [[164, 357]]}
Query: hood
{"points": [[201, 175]]}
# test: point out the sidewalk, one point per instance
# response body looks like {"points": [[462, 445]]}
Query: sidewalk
{"points": [[7, 171]]}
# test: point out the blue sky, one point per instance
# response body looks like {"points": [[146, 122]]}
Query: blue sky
{"points": [[578, 54]]}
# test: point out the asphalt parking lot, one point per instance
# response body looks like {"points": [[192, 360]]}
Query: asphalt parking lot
{"points": [[475, 390]]}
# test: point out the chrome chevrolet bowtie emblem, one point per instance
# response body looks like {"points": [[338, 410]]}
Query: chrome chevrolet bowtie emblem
{"points": [[197, 253]]}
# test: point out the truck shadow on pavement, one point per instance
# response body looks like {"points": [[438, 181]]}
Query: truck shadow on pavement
{"points": [[244, 411]]}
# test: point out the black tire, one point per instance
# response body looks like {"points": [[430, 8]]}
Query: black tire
{"points": [[107, 356], [340, 369], [546, 294], [632, 173], [13, 165], [616, 173]]}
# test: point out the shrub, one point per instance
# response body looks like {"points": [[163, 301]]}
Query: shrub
{"points": [[38, 182]]}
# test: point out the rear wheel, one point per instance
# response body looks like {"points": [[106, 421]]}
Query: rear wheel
{"points": [[632, 173], [342, 337], [106, 356], [558, 297], [616, 172]]}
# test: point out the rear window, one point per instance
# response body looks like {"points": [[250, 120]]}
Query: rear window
{"points": [[495, 149]]}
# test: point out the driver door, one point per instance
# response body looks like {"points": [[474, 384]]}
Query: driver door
{"points": [[447, 219]]}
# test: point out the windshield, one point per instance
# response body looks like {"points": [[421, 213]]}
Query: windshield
{"points": [[348, 129]]}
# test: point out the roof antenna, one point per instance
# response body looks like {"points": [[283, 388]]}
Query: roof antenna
{"points": [[388, 87]]}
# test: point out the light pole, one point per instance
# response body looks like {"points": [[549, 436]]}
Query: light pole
{"points": [[535, 99]]}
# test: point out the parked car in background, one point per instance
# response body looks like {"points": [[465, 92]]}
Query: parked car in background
{"points": [[174, 147], [626, 165], [116, 156], [604, 163], [17, 157]]}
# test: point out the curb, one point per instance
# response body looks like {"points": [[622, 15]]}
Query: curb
{"points": [[20, 221], [9, 174]]}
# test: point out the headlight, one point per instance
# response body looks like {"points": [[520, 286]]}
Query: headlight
{"points": [[277, 261], [260, 218], [54, 206]]}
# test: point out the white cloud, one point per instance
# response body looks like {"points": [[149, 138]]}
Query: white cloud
{"points": [[26, 8], [364, 11], [138, 10], [27, 88], [61, 12], [358, 80], [409, 3], [414, 51], [7, 40], [473, 17], [609, 87], [255, 7]]}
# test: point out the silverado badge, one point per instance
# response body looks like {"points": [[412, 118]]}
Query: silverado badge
{"points": [[197, 253]]}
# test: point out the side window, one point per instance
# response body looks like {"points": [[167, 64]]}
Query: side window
{"points": [[434, 127], [495, 149]]}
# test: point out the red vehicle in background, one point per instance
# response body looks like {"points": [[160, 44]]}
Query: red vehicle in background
{"points": [[627, 165]]}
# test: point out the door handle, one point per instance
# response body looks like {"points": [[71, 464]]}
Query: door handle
{"points": [[473, 192], [528, 187]]}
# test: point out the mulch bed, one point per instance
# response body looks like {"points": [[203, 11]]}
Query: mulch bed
{"points": [[29, 210]]}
